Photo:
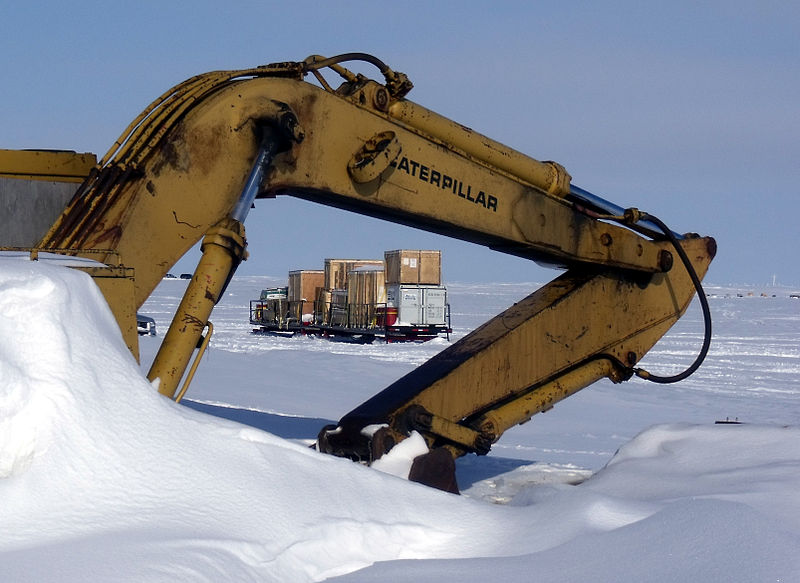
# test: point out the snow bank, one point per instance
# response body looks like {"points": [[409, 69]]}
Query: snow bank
{"points": [[103, 479], [678, 503]]}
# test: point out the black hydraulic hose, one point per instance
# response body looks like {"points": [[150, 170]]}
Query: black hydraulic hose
{"points": [[397, 83], [312, 63], [703, 303]]}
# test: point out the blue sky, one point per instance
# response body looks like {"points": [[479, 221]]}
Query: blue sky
{"points": [[688, 110]]}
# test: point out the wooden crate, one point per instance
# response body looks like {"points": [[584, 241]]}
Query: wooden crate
{"points": [[304, 283], [336, 270], [365, 286], [413, 266]]}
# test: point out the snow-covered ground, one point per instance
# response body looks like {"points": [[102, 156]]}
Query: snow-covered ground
{"points": [[102, 479]]}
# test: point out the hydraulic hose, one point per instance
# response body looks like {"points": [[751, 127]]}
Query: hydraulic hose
{"points": [[397, 83], [703, 303], [317, 62]]}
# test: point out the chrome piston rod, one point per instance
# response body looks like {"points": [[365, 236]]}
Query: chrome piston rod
{"points": [[601, 205]]}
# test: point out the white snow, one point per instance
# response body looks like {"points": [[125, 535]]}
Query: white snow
{"points": [[102, 479], [399, 459]]}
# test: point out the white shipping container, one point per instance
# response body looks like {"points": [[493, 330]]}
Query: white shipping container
{"points": [[418, 305]]}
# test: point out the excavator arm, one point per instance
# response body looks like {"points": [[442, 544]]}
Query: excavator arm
{"points": [[190, 166]]}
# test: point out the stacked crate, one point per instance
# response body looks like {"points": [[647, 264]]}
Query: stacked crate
{"points": [[365, 285], [336, 283], [336, 270], [412, 266], [401, 297], [366, 291], [414, 292]]}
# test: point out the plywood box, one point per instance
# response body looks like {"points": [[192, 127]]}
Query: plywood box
{"points": [[336, 270], [413, 266], [365, 286], [303, 284]]}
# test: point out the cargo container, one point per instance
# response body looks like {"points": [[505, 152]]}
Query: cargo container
{"points": [[303, 290], [304, 284], [418, 305], [366, 291], [413, 266], [399, 298], [336, 270]]}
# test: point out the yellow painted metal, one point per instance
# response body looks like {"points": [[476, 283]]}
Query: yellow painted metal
{"points": [[495, 421], [223, 248], [432, 424], [116, 285], [549, 177], [56, 166], [159, 199], [542, 349], [179, 169]]}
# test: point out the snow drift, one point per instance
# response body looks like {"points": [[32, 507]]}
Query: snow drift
{"points": [[103, 479]]}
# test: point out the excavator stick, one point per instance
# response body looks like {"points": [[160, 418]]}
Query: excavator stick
{"points": [[585, 325]]}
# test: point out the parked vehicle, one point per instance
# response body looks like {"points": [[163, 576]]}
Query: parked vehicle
{"points": [[145, 325]]}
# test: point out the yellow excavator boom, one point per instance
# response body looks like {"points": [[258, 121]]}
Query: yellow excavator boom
{"points": [[189, 167]]}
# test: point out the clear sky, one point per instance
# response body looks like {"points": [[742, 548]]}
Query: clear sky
{"points": [[689, 110]]}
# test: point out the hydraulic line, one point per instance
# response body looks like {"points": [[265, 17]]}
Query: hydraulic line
{"points": [[201, 351], [397, 83], [598, 204], [652, 226], [136, 143], [700, 294]]}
